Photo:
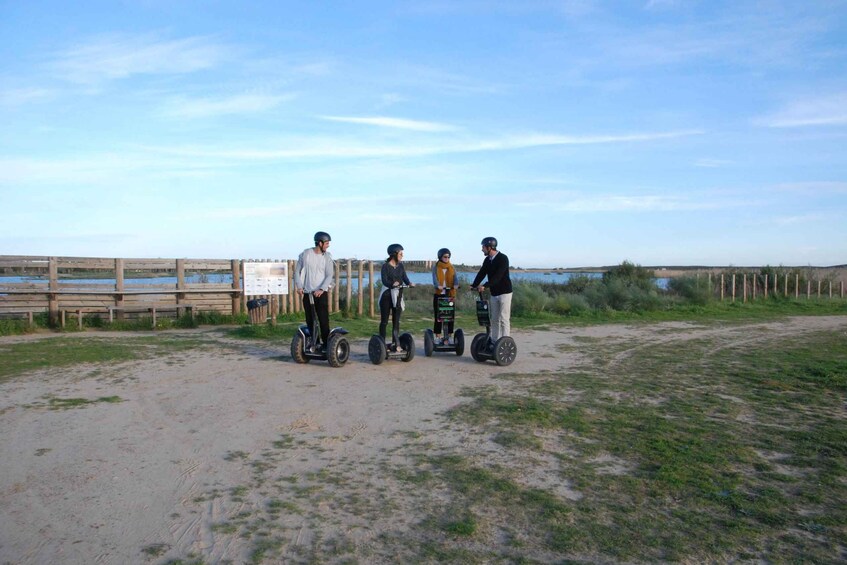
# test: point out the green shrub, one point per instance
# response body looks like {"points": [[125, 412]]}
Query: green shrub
{"points": [[528, 299], [691, 289]]}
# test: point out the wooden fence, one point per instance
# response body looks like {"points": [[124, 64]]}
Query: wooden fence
{"points": [[130, 288], [753, 286]]}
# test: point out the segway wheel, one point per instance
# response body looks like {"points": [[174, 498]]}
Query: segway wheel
{"points": [[459, 340], [478, 347], [505, 351], [298, 348], [338, 350], [429, 343], [407, 342], [376, 350]]}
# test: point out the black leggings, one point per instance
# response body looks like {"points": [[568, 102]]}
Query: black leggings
{"points": [[436, 325], [385, 308], [322, 309]]}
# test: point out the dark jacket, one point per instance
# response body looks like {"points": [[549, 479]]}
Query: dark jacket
{"points": [[497, 270]]}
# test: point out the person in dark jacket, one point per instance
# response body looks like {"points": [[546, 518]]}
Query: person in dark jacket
{"points": [[390, 301], [496, 268]]}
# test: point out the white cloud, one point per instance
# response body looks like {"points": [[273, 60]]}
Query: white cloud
{"points": [[206, 107], [828, 110], [19, 96], [799, 219], [397, 123], [120, 56], [708, 163], [343, 149]]}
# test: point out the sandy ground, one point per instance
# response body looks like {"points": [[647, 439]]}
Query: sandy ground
{"points": [[147, 479]]}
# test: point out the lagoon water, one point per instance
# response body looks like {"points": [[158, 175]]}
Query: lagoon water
{"points": [[417, 278]]}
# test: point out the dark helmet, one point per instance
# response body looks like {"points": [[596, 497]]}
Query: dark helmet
{"points": [[490, 242], [443, 251], [394, 249], [322, 236]]}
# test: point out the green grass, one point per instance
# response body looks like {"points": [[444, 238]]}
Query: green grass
{"points": [[19, 358], [761, 475]]}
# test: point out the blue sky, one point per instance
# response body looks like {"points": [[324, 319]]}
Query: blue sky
{"points": [[577, 132]]}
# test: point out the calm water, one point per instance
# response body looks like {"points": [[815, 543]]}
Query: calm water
{"points": [[226, 278]]}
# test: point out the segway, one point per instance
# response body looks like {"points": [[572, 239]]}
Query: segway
{"points": [[402, 347], [306, 344], [445, 313], [483, 348]]}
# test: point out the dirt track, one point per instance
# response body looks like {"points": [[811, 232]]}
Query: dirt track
{"points": [[203, 437]]}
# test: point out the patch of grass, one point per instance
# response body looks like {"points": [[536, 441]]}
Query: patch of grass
{"points": [[155, 549], [19, 358], [694, 426], [66, 403]]}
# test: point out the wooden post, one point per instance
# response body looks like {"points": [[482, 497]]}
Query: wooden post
{"points": [[745, 289], [830, 288], [775, 286], [766, 286], [722, 287], [372, 284], [842, 289], [349, 306], [180, 282], [755, 284], [53, 285], [808, 289], [819, 289], [235, 265], [292, 291], [119, 286], [786, 286], [273, 309], [733, 287], [337, 286], [361, 306]]}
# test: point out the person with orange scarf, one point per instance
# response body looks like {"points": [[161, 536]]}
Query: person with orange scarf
{"points": [[445, 282]]}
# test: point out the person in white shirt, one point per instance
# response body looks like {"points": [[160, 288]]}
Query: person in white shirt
{"points": [[314, 275]]}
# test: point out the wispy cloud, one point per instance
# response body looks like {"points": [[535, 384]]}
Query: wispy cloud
{"points": [[815, 187], [645, 203], [707, 163], [828, 110], [120, 56], [188, 108], [397, 123], [18, 96], [799, 219], [342, 149]]}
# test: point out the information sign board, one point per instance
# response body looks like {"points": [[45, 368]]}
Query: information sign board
{"points": [[265, 278]]}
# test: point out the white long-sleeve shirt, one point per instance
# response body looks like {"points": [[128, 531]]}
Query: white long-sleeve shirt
{"points": [[314, 271]]}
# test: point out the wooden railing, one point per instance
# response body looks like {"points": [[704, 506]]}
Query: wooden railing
{"points": [[58, 284], [130, 287]]}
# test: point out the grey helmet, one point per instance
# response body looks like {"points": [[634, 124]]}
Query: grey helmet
{"points": [[489, 242], [321, 237], [394, 249]]}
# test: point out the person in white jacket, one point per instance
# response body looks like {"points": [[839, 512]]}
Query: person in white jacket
{"points": [[314, 274]]}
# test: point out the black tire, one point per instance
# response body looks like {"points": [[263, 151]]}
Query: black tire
{"points": [[459, 340], [376, 350], [407, 342], [429, 343], [478, 347], [298, 348], [505, 351], [337, 350]]}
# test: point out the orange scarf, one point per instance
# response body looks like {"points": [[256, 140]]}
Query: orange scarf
{"points": [[446, 276]]}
